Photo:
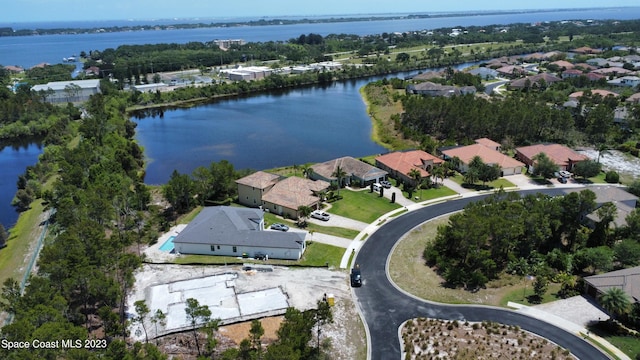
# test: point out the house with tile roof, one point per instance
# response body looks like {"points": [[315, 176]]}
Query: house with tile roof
{"points": [[489, 143], [399, 163], [562, 64], [286, 196], [572, 73], [238, 232], [511, 71], [534, 81], [604, 93], [251, 188], [626, 279], [634, 99], [357, 172], [508, 165], [278, 194], [561, 155]]}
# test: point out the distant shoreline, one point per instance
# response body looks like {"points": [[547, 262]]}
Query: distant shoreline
{"points": [[7, 29]]}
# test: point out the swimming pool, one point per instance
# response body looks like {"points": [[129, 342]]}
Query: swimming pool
{"points": [[168, 245]]}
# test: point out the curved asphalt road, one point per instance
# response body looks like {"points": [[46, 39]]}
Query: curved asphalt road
{"points": [[385, 308]]}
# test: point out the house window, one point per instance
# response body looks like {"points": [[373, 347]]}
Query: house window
{"points": [[213, 248], [235, 249], [218, 247]]}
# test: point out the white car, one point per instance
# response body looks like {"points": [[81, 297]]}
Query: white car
{"points": [[320, 215], [377, 186], [565, 174]]}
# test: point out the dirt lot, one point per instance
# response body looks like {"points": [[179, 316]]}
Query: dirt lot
{"points": [[304, 287]]}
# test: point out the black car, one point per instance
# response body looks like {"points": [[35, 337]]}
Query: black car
{"points": [[562, 180], [356, 276]]}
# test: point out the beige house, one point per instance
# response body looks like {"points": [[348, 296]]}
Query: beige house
{"points": [[252, 188], [561, 155], [287, 195], [355, 170], [400, 163], [508, 165], [277, 194]]}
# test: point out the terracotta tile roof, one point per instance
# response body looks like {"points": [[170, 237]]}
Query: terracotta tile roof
{"points": [[488, 143], [604, 93], [559, 154], [613, 70], [586, 50], [351, 166], [404, 161], [595, 76], [563, 64], [294, 191], [259, 180], [635, 98], [488, 156], [548, 78]]}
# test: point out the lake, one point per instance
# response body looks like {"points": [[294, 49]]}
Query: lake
{"points": [[13, 162], [260, 132]]}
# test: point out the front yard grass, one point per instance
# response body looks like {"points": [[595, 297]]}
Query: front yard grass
{"points": [[430, 194], [362, 205], [316, 254], [496, 184], [628, 344], [270, 218]]}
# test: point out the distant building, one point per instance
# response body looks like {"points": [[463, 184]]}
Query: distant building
{"points": [[432, 89], [247, 73], [68, 91], [226, 44]]}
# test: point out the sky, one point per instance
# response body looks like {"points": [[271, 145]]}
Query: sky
{"points": [[18, 11]]}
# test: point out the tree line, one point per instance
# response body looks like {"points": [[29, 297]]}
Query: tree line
{"points": [[550, 238]]}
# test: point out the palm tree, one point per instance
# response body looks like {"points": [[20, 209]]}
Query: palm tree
{"points": [[455, 163], [471, 176], [603, 149], [439, 172], [307, 171], [303, 213], [416, 176], [615, 301], [339, 174]]}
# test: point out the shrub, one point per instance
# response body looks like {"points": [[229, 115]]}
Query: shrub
{"points": [[612, 177]]}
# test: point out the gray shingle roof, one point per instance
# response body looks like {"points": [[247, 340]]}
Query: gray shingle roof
{"points": [[224, 225]]}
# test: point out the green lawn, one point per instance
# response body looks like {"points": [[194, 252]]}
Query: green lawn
{"points": [[270, 218], [496, 184], [521, 296], [362, 205], [429, 194], [316, 254], [627, 344]]}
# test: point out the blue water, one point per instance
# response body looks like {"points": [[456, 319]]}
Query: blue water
{"points": [[168, 245], [27, 51], [13, 162]]}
